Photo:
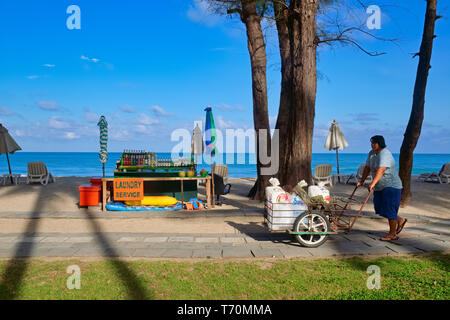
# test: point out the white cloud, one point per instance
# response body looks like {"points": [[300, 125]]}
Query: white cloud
{"points": [[221, 123], [140, 128], [119, 135], [49, 65], [127, 108], [71, 135], [200, 12], [19, 133], [32, 77], [95, 60], [48, 105], [160, 111], [58, 123], [4, 111], [229, 108], [90, 116], [146, 120]]}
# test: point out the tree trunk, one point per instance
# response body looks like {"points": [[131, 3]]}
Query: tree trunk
{"points": [[414, 127], [258, 59], [295, 156], [281, 16]]}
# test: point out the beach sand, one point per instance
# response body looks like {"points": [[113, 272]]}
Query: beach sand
{"points": [[55, 209]]}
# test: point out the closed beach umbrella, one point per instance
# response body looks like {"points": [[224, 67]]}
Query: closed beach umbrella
{"points": [[7, 145], [210, 141], [103, 141], [336, 141], [197, 146]]}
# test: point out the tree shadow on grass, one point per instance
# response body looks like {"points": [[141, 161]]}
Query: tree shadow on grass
{"points": [[12, 277], [134, 286]]}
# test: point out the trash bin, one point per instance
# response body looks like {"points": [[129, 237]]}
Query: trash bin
{"points": [[90, 195]]}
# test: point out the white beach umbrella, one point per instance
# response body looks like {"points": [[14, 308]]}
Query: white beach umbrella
{"points": [[336, 141], [197, 145], [7, 145]]}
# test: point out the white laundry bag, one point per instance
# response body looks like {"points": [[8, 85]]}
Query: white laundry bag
{"points": [[319, 190]]}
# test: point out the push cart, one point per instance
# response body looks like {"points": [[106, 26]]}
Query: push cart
{"points": [[312, 225]]}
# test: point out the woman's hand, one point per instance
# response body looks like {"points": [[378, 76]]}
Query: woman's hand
{"points": [[359, 184], [371, 186]]}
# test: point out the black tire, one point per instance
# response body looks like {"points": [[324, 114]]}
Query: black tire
{"points": [[301, 224]]}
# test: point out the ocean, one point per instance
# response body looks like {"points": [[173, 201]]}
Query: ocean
{"points": [[87, 164]]}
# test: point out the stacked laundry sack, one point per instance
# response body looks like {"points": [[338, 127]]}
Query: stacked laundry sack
{"points": [[282, 207]]}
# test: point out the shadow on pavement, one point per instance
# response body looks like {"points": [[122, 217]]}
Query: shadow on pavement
{"points": [[13, 275]]}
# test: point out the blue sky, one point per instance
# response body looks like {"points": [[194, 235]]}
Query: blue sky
{"points": [[152, 67]]}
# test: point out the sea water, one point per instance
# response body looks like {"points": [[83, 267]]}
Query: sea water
{"points": [[86, 164]]}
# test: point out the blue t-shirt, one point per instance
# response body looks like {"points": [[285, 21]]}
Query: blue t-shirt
{"points": [[390, 177]]}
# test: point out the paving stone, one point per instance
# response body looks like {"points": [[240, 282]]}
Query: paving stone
{"points": [[6, 253], [8, 239], [207, 240], [425, 244], [31, 239], [79, 239], [267, 252], [378, 250], [51, 245], [374, 243], [441, 238], [177, 253], [237, 252], [129, 239], [54, 239], [337, 249], [8, 244], [251, 240], [402, 249], [207, 253], [135, 245], [148, 253], [104, 252], [56, 252], [181, 239], [156, 239], [232, 240], [292, 252], [357, 237]]}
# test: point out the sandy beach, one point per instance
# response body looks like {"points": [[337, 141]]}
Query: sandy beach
{"points": [[55, 209]]}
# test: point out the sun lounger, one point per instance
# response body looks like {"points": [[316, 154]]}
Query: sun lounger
{"points": [[8, 177], [37, 172], [442, 177], [356, 178], [322, 173], [220, 170]]}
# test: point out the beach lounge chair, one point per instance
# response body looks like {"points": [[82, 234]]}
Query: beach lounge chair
{"points": [[322, 173], [37, 172], [442, 177], [356, 178], [220, 170]]}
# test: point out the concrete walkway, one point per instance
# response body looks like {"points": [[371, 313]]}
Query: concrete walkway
{"points": [[415, 240]]}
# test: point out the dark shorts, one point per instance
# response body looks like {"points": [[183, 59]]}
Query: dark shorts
{"points": [[387, 202]]}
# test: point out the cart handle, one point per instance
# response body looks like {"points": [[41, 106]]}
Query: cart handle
{"points": [[353, 193]]}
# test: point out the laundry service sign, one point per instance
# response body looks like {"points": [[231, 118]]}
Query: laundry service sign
{"points": [[128, 189]]}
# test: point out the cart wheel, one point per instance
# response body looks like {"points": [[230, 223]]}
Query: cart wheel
{"points": [[311, 221]]}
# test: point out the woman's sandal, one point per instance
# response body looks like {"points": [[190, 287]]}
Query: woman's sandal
{"points": [[400, 227], [389, 238]]}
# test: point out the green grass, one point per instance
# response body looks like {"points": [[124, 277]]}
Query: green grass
{"points": [[414, 277]]}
